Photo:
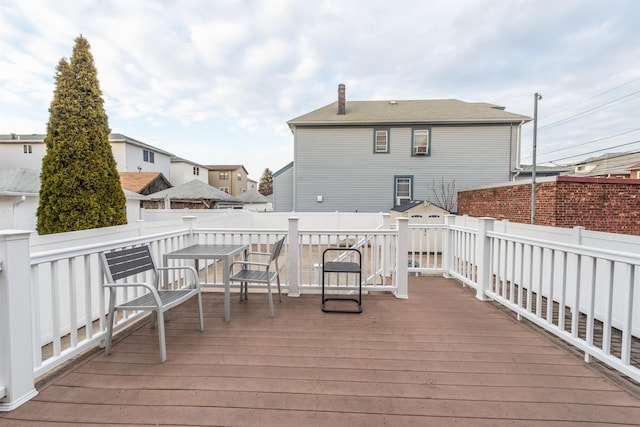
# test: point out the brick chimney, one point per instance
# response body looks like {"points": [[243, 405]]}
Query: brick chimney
{"points": [[341, 99]]}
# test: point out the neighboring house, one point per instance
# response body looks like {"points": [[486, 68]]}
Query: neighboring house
{"points": [[526, 171], [19, 191], [252, 185], [183, 170], [634, 171], [20, 196], [191, 195], [255, 201], [232, 179], [610, 165], [419, 212], [144, 183], [371, 156], [135, 156], [282, 196], [22, 151], [27, 151]]}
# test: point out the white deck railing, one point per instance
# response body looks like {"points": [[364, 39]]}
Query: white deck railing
{"points": [[564, 288]]}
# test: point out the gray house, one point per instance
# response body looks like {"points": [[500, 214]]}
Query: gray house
{"points": [[371, 156]]}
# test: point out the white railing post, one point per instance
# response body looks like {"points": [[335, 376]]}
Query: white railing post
{"points": [[447, 245], [385, 250], [402, 258], [17, 384], [483, 255], [294, 262], [190, 222]]}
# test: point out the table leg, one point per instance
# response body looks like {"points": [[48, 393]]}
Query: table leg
{"points": [[227, 289]]}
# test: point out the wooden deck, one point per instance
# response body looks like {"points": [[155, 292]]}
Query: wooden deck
{"points": [[439, 358]]}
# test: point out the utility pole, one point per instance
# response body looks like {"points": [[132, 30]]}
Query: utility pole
{"points": [[536, 98]]}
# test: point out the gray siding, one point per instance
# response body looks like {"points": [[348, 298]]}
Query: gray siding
{"points": [[283, 191], [339, 164]]}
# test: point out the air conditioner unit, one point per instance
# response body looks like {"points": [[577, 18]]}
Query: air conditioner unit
{"points": [[420, 149], [402, 200]]}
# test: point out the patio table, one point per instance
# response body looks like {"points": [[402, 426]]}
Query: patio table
{"points": [[226, 253]]}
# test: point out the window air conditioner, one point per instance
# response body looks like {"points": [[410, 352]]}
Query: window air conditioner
{"points": [[421, 149]]}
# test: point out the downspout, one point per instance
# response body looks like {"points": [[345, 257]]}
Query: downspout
{"points": [[295, 178], [510, 149], [518, 148]]}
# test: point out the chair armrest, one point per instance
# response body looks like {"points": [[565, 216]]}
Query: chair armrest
{"points": [[245, 263], [184, 267], [151, 289]]}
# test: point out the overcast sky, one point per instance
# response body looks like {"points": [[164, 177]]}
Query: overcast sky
{"points": [[216, 81]]}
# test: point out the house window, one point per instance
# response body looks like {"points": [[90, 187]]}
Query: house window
{"points": [[225, 189], [148, 156], [420, 142], [196, 170], [403, 190], [224, 175], [381, 140], [239, 176], [28, 149]]}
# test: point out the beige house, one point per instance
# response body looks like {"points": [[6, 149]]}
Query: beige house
{"points": [[232, 179]]}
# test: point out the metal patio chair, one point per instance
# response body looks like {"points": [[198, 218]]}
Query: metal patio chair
{"points": [[124, 263], [251, 271]]}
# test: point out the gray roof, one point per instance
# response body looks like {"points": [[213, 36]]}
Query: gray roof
{"points": [[433, 111], [252, 196], [18, 182], [193, 190]]}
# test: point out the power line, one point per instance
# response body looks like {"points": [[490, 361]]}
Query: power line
{"points": [[594, 109], [589, 142], [598, 151], [589, 99]]}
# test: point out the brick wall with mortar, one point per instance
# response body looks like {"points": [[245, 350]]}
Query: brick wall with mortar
{"points": [[598, 204]]}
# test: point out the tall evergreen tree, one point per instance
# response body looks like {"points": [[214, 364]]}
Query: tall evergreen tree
{"points": [[79, 183], [265, 186]]}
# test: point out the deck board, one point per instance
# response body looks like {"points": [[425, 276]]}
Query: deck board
{"points": [[440, 357]]}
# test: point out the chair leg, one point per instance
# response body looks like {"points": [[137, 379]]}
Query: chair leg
{"points": [[279, 292], [163, 345], [112, 311], [270, 300], [200, 312]]}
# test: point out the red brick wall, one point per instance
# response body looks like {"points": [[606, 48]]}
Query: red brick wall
{"points": [[599, 204]]}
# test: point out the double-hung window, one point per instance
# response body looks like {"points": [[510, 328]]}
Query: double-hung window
{"points": [[381, 140], [148, 156], [420, 142], [224, 176]]}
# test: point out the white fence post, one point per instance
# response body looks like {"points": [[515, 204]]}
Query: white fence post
{"points": [[17, 384], [294, 262], [402, 258], [447, 245], [483, 255]]}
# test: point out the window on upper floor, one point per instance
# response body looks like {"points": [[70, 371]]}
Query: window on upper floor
{"points": [[420, 143], [239, 176], [224, 175], [27, 148], [148, 156], [196, 170], [381, 140]]}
